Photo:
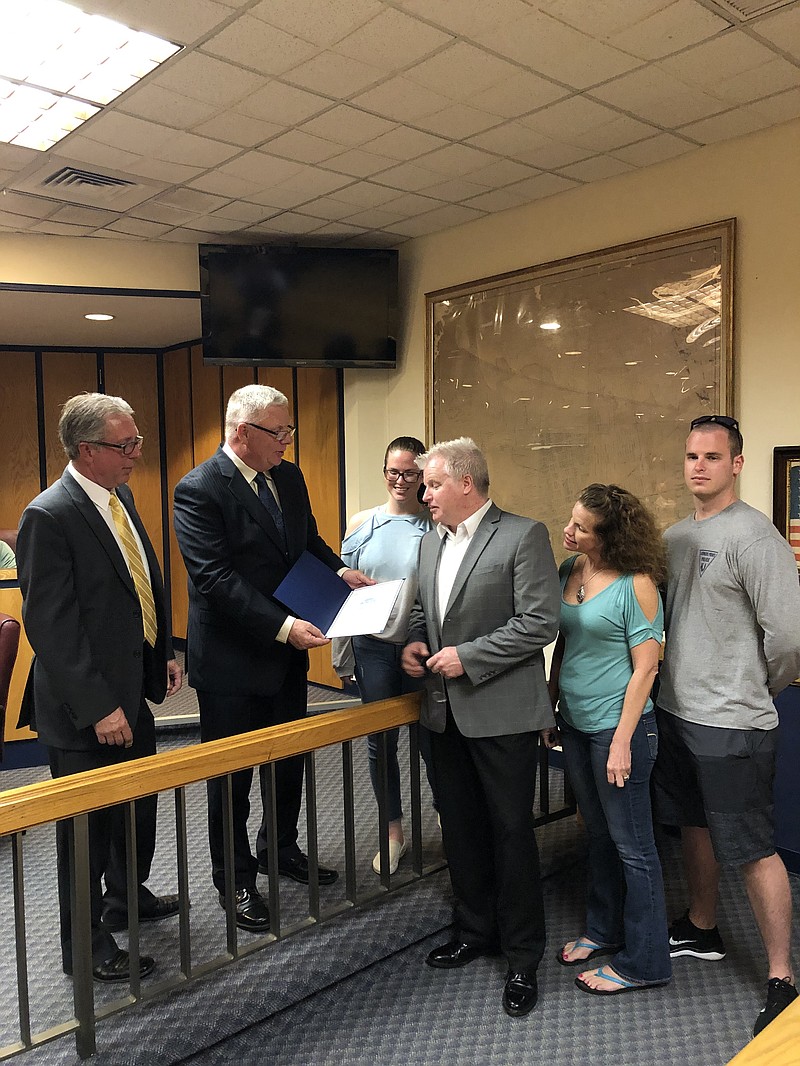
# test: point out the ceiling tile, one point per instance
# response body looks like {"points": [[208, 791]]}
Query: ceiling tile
{"points": [[186, 200], [775, 76], [327, 207], [457, 121], [335, 75], [410, 177], [278, 198], [289, 222], [782, 29], [191, 236], [570, 116], [619, 131], [322, 21], [310, 182], [93, 153], [497, 200], [780, 108], [723, 127], [461, 70], [452, 191], [654, 150], [165, 214], [226, 185], [261, 168], [358, 163], [283, 104], [596, 169], [204, 78], [654, 96], [433, 221], [502, 172], [337, 229], [241, 211], [374, 218], [403, 142], [161, 170], [27, 206], [411, 204], [456, 159], [175, 22], [347, 125], [128, 133], [12, 157], [677, 26], [599, 18], [402, 100], [16, 223], [295, 144], [392, 39], [366, 194], [377, 239], [549, 47], [465, 17], [236, 128], [517, 95], [195, 151], [61, 229], [138, 227], [529, 146], [252, 43], [157, 104], [542, 186], [217, 224], [83, 216]]}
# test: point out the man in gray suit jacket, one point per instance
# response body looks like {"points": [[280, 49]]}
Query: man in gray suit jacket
{"points": [[487, 605], [94, 612]]}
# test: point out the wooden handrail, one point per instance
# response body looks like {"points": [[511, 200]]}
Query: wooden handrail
{"points": [[66, 797]]}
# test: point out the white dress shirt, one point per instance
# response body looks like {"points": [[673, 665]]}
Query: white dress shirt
{"points": [[100, 497], [453, 552]]}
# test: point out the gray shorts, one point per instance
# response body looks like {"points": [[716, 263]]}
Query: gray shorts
{"points": [[719, 779]]}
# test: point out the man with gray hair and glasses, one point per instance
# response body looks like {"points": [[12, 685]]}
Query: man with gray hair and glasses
{"points": [[94, 612], [487, 605], [243, 518]]}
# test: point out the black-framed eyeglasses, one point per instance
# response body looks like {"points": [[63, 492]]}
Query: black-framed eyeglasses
{"points": [[409, 476], [128, 448], [282, 435], [722, 420]]}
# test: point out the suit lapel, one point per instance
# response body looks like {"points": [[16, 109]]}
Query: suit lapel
{"points": [[244, 494], [483, 534], [104, 535]]}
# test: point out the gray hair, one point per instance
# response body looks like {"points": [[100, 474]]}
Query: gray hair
{"points": [[247, 403], [462, 457], [84, 417]]}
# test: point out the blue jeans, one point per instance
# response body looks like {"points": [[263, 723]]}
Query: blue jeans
{"points": [[625, 897], [380, 677]]}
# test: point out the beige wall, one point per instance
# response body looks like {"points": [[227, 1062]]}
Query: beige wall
{"points": [[754, 179]]}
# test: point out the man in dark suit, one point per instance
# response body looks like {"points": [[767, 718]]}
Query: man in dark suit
{"points": [[487, 605], [94, 612], [242, 519]]}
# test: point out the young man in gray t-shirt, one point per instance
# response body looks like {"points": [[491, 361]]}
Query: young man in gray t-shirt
{"points": [[733, 643]]}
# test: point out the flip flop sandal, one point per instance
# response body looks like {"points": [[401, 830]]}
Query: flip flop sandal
{"points": [[598, 950], [624, 986]]}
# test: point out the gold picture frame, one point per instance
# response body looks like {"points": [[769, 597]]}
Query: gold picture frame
{"points": [[587, 369]]}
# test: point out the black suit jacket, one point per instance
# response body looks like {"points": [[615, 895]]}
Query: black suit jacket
{"points": [[236, 559], [83, 618]]}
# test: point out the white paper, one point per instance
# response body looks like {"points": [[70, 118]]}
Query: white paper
{"points": [[366, 610]]}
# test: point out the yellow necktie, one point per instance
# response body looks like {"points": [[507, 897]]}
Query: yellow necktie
{"points": [[137, 568]]}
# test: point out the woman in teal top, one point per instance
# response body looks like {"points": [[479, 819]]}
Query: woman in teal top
{"points": [[604, 665]]}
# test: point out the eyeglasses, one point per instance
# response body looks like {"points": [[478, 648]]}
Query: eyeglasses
{"points": [[409, 476], [722, 420], [282, 435], [128, 448]]}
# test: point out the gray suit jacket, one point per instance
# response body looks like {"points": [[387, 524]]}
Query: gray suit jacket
{"points": [[503, 610]]}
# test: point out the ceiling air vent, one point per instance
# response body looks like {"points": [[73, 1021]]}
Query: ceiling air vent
{"points": [[73, 176], [745, 10]]}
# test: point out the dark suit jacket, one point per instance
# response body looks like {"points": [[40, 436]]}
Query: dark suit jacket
{"points": [[236, 560], [503, 610], [83, 618]]}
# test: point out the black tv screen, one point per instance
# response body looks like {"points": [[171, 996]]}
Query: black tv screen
{"points": [[299, 306]]}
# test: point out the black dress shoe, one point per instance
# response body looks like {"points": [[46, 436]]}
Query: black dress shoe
{"points": [[456, 953], [251, 910], [118, 967], [520, 994], [161, 907], [296, 867]]}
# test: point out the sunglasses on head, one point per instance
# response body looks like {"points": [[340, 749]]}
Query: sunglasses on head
{"points": [[722, 420]]}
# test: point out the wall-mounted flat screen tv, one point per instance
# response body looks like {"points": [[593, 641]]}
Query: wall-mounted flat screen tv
{"points": [[299, 306]]}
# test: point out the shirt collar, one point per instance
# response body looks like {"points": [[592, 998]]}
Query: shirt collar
{"points": [[465, 529], [96, 493], [246, 471]]}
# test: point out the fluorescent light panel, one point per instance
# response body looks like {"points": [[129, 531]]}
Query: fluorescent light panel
{"points": [[59, 66]]}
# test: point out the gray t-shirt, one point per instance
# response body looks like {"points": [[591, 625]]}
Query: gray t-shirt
{"points": [[732, 620]]}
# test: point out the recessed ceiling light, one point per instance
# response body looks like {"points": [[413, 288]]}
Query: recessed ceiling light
{"points": [[59, 66], [99, 318], [573, 353], [633, 362], [550, 325]]}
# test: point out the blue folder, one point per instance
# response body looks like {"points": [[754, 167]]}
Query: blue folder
{"points": [[312, 591]]}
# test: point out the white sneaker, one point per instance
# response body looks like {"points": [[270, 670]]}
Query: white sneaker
{"points": [[396, 851]]}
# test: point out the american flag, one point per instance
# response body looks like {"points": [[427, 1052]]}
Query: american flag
{"points": [[794, 509]]}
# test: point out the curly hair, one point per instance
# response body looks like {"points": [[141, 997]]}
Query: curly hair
{"points": [[631, 540]]}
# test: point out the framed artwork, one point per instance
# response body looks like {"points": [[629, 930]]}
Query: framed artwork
{"points": [[587, 369], [786, 496]]}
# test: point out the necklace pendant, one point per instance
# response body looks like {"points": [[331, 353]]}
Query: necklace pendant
{"points": [[580, 595]]}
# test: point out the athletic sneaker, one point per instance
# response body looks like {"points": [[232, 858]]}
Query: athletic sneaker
{"points": [[780, 993], [686, 939]]}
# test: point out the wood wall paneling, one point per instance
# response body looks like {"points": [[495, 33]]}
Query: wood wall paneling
{"points": [[134, 378], [318, 452], [282, 379], [208, 411], [180, 459], [64, 374], [236, 377], [19, 436]]}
